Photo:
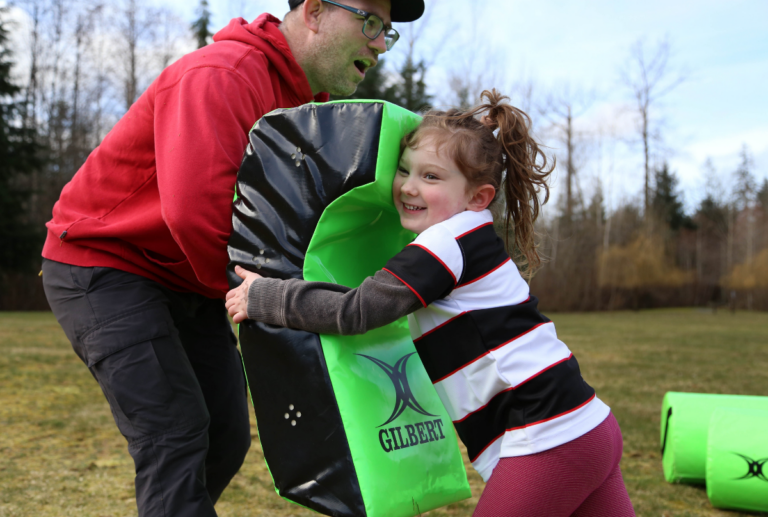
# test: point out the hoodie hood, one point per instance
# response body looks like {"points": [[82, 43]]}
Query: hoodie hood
{"points": [[264, 34]]}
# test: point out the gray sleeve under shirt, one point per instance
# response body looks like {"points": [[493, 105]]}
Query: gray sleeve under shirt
{"points": [[331, 308]]}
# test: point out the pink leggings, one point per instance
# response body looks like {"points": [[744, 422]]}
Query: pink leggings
{"points": [[579, 478]]}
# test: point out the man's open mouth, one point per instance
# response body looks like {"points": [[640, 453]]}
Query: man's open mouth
{"points": [[362, 65]]}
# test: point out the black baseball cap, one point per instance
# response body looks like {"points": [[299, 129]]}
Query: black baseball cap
{"points": [[402, 10]]}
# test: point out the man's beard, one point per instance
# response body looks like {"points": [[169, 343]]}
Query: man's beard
{"points": [[326, 71]]}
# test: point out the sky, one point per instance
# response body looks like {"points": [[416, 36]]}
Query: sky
{"points": [[719, 49]]}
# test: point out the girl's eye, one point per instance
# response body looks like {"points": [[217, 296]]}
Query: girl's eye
{"points": [[402, 171], [430, 176]]}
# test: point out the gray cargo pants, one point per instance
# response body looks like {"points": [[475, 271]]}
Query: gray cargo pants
{"points": [[167, 363]]}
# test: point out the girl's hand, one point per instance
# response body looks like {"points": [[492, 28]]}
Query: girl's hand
{"points": [[237, 298]]}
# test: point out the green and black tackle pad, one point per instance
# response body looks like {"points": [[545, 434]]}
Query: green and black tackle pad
{"points": [[685, 423], [737, 459], [349, 425]]}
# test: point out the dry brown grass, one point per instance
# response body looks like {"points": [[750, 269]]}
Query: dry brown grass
{"points": [[61, 454]]}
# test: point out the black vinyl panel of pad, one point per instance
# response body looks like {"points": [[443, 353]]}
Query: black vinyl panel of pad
{"points": [[298, 161]]}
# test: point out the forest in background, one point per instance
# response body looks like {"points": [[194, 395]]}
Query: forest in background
{"points": [[70, 82]]}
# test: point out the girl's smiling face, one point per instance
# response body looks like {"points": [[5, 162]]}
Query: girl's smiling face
{"points": [[429, 188]]}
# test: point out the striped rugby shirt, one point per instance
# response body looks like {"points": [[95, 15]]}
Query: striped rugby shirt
{"points": [[510, 386]]}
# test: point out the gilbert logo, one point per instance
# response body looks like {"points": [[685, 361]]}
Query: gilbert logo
{"points": [[419, 433], [755, 468], [403, 395]]}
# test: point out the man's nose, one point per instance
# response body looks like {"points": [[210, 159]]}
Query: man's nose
{"points": [[378, 45]]}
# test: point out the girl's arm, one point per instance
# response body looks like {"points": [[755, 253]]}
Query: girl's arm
{"points": [[321, 307]]}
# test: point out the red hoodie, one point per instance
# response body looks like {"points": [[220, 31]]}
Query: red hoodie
{"points": [[155, 197]]}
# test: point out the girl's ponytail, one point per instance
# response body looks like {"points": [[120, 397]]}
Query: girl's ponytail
{"points": [[525, 174], [510, 160]]}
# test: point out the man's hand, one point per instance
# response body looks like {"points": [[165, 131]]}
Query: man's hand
{"points": [[237, 298]]}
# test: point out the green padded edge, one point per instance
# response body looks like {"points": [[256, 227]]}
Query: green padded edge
{"points": [[341, 251]]}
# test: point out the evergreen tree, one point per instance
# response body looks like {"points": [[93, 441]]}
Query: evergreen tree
{"points": [[745, 185], [410, 91], [710, 213], [372, 87], [596, 210], [201, 28], [762, 195], [666, 203], [19, 155]]}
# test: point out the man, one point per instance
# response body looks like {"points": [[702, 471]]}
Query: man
{"points": [[135, 256]]}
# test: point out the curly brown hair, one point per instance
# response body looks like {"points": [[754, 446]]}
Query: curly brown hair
{"points": [[510, 160]]}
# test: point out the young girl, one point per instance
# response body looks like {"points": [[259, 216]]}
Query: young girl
{"points": [[534, 430]]}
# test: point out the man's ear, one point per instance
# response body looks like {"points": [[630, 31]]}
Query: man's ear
{"points": [[310, 11], [481, 198]]}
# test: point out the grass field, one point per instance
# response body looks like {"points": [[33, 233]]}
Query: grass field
{"points": [[61, 454]]}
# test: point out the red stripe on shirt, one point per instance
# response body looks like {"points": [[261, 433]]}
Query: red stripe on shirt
{"points": [[408, 286], [532, 424], [489, 351], [438, 259], [514, 388], [441, 325], [485, 275], [473, 229]]}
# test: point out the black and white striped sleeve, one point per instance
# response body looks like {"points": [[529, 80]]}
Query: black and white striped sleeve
{"points": [[430, 266]]}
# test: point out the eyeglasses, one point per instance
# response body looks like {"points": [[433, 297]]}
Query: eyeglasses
{"points": [[372, 25]]}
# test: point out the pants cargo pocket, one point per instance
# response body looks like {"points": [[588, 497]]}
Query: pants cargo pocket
{"points": [[124, 355], [139, 392]]}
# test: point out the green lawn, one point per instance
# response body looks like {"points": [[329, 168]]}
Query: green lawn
{"points": [[61, 454]]}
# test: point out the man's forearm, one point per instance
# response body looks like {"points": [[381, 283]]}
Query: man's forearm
{"points": [[330, 308]]}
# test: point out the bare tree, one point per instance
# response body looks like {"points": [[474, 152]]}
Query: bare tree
{"points": [[561, 109], [470, 72], [744, 202], [84, 25], [170, 34], [745, 195], [649, 75], [523, 92], [130, 30], [136, 23], [33, 9], [85, 63]]}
